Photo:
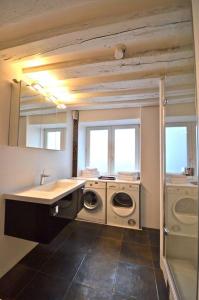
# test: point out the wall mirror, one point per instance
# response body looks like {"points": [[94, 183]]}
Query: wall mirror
{"points": [[181, 184], [35, 120]]}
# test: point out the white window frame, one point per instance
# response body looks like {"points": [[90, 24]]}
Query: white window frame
{"points": [[111, 145], [191, 142], [63, 137]]}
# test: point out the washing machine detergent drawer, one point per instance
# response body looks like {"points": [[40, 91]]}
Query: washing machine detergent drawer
{"points": [[95, 184]]}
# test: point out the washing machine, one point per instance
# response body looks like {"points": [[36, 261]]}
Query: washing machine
{"points": [[123, 205], [181, 210], [94, 202]]}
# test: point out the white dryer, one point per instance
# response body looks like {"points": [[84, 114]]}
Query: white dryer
{"points": [[181, 210], [94, 202], [123, 204]]}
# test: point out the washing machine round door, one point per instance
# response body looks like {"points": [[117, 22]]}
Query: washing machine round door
{"points": [[185, 210], [122, 204], [91, 200]]}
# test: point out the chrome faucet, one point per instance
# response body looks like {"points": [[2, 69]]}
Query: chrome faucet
{"points": [[42, 177]]}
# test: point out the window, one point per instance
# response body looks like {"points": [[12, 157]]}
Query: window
{"points": [[54, 138], [180, 149], [125, 149], [113, 149], [98, 149]]}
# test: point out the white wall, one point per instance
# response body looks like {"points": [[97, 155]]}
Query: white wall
{"points": [[109, 114], [149, 116], [20, 167]]}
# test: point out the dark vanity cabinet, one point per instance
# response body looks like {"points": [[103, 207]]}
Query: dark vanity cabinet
{"points": [[41, 222], [68, 207]]}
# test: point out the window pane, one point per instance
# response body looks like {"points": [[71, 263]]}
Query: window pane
{"points": [[125, 150], [99, 150], [176, 149], [54, 140]]}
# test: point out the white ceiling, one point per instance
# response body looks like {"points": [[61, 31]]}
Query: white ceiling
{"points": [[74, 43]]}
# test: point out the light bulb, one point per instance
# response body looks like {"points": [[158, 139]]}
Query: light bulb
{"points": [[61, 106]]}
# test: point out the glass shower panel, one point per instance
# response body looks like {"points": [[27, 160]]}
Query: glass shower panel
{"points": [[181, 184]]}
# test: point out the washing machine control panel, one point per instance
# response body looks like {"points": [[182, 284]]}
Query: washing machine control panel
{"points": [[183, 191], [95, 184], [122, 186]]}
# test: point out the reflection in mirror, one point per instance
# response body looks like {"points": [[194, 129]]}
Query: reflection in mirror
{"points": [[180, 136], [41, 123], [181, 189]]}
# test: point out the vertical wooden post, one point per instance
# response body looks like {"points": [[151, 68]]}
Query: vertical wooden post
{"points": [[75, 142]]}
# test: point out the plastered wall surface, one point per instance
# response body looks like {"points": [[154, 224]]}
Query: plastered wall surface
{"points": [[150, 160], [21, 167]]}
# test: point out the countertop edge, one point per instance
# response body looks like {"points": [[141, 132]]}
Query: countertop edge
{"points": [[39, 200]]}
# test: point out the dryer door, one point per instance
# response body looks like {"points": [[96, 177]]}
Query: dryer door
{"points": [[185, 210], [91, 200], [122, 204]]}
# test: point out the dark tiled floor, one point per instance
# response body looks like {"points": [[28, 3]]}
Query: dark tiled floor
{"points": [[89, 262]]}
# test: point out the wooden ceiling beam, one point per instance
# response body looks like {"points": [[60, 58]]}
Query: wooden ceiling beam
{"points": [[176, 25], [135, 68], [155, 74], [181, 89], [183, 79], [144, 40], [174, 94]]}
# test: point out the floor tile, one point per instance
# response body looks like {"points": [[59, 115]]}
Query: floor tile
{"points": [[89, 261], [154, 238], [151, 229], [59, 239], [77, 243], [37, 257], [97, 272], [109, 248], [156, 256], [136, 281], [81, 292], [12, 283], [121, 297], [63, 265], [136, 236], [86, 228], [161, 286], [136, 253], [44, 287], [112, 232]]}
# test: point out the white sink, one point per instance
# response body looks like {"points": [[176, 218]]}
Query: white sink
{"points": [[47, 193], [57, 185]]}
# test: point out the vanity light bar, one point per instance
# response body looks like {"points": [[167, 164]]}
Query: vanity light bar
{"points": [[52, 98], [38, 87]]}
